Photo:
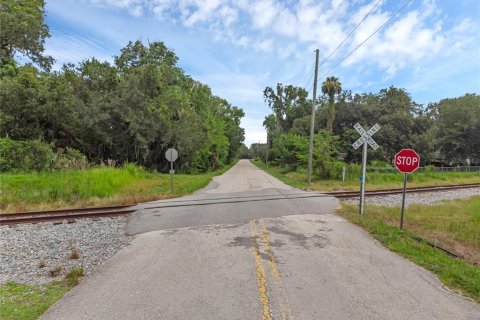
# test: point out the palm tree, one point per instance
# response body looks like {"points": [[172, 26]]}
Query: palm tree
{"points": [[331, 86]]}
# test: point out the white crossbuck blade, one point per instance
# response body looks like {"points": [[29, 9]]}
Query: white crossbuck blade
{"points": [[366, 135]]}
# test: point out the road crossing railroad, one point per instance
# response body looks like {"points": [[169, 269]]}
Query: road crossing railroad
{"points": [[282, 259]]}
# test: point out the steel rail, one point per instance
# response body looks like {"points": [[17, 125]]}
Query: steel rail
{"points": [[386, 192], [73, 214], [64, 214]]}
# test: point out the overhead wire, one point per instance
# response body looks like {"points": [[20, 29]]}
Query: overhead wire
{"points": [[341, 43], [368, 38], [308, 82], [351, 32]]}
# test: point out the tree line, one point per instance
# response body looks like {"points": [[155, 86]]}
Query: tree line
{"points": [[131, 110], [445, 132]]}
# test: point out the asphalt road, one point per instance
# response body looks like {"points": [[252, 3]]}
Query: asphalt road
{"points": [[250, 247]]}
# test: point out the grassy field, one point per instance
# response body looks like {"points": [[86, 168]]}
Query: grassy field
{"points": [[374, 180], [454, 225], [93, 187]]}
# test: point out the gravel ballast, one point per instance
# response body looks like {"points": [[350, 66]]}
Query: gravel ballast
{"points": [[426, 198], [30, 252]]}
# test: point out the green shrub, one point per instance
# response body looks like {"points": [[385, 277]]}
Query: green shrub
{"points": [[290, 150], [380, 164], [35, 155], [354, 171], [75, 275], [70, 158], [134, 170], [430, 168], [324, 155]]}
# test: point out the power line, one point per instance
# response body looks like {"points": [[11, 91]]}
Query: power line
{"points": [[363, 42], [351, 32], [310, 79], [341, 43]]}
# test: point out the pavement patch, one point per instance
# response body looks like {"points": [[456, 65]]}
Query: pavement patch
{"points": [[319, 241]]}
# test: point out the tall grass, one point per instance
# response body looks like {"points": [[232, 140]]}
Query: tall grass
{"points": [[95, 186], [375, 180]]}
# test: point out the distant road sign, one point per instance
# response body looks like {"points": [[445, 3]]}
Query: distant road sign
{"points": [[171, 155], [407, 160]]}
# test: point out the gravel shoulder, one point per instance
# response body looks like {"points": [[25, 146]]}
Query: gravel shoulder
{"points": [[29, 252], [425, 198]]}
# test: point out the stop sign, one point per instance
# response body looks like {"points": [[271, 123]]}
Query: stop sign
{"points": [[407, 160]]}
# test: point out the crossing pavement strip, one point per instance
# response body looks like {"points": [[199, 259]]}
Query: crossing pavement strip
{"points": [[272, 295]]}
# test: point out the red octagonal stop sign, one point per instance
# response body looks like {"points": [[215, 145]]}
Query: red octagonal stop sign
{"points": [[407, 160]]}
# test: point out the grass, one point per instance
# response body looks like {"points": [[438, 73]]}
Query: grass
{"points": [[93, 187], [25, 302], [454, 225], [374, 180]]}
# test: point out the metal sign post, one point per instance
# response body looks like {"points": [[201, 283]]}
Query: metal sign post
{"points": [[406, 161], [403, 199], [366, 138], [171, 155]]}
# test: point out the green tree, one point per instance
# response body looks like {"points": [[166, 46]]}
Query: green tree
{"points": [[23, 30], [331, 86], [271, 125], [458, 128], [130, 111], [258, 151], [287, 103], [325, 154]]}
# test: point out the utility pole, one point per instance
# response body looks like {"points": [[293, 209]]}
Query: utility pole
{"points": [[266, 158], [312, 125]]}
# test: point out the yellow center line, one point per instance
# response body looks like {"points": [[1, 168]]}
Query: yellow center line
{"points": [[271, 258], [284, 307], [261, 279]]}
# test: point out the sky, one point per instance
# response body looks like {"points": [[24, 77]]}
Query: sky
{"points": [[430, 48]]}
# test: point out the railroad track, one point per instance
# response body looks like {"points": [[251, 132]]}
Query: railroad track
{"points": [[73, 214], [64, 214], [387, 192]]}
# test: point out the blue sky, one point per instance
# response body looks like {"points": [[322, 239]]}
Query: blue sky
{"points": [[431, 48]]}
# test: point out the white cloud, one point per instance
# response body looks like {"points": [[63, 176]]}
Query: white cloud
{"points": [[274, 25], [68, 48], [265, 45], [263, 13], [134, 7], [243, 41], [287, 51]]}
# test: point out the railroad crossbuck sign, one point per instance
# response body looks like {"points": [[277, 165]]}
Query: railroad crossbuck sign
{"points": [[366, 136], [407, 160]]}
